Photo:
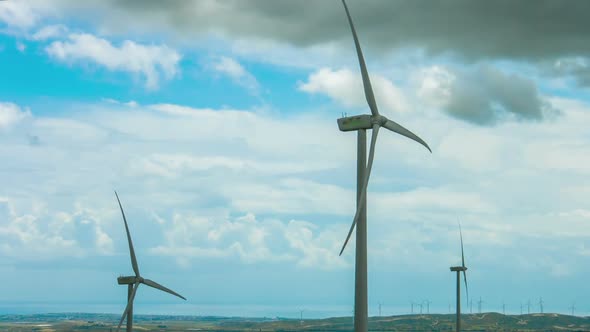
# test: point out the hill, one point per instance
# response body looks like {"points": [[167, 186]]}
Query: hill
{"points": [[432, 322]]}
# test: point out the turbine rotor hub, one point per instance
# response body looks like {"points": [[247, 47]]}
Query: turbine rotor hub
{"points": [[378, 119]]}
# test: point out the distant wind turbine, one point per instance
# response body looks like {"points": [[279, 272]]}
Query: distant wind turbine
{"points": [[460, 269], [379, 309], [503, 308], [541, 304], [133, 282], [470, 306], [360, 124], [528, 304], [479, 304], [427, 306], [573, 308], [412, 303]]}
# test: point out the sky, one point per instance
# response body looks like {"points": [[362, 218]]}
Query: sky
{"points": [[215, 121]]}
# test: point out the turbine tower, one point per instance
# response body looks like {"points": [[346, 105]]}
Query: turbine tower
{"points": [[460, 269], [360, 124], [541, 304], [479, 304], [133, 282]]}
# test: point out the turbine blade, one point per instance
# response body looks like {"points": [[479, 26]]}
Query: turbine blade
{"points": [[366, 81], [128, 305], [361, 203], [461, 236], [156, 285], [397, 128], [466, 288], [131, 251]]}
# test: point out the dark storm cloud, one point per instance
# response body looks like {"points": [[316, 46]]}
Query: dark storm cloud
{"points": [[523, 29], [578, 68], [488, 96]]}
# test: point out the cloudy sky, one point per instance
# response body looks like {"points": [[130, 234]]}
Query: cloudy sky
{"points": [[216, 123]]}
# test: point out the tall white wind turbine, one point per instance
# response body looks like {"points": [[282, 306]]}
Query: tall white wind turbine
{"points": [[133, 282], [360, 124]]}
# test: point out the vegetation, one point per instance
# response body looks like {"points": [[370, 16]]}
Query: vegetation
{"points": [[432, 322]]}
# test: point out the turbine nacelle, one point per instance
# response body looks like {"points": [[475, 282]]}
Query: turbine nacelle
{"points": [[358, 122], [458, 268], [129, 280]]}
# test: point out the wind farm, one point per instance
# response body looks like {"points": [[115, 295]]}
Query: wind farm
{"points": [[215, 120]]}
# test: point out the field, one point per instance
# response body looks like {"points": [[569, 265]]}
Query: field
{"points": [[432, 322]]}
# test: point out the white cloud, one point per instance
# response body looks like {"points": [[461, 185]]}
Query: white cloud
{"points": [[225, 185], [234, 70], [250, 240], [174, 165], [11, 114], [50, 32], [319, 251], [345, 86], [18, 14], [27, 241], [435, 84], [153, 62], [21, 47]]}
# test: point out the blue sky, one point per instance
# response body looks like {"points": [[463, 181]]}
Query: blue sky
{"points": [[220, 136]]}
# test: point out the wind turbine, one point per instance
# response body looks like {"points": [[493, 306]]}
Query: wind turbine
{"points": [[541, 304], [503, 308], [460, 269], [361, 123], [133, 282], [573, 307], [427, 306], [479, 304], [528, 304]]}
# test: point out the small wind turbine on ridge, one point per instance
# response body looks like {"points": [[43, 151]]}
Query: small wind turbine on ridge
{"points": [[573, 308], [460, 269]]}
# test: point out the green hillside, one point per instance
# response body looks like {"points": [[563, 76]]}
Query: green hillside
{"points": [[432, 322]]}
